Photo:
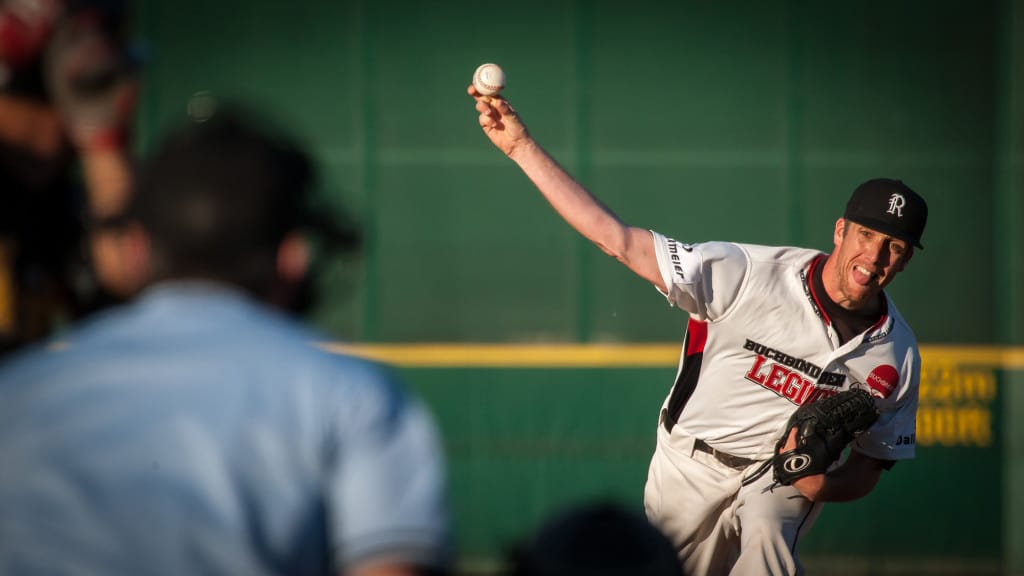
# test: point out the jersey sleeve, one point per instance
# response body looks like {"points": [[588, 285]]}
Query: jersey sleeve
{"points": [[703, 279], [893, 436], [387, 481]]}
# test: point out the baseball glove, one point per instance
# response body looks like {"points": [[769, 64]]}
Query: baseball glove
{"points": [[823, 429]]}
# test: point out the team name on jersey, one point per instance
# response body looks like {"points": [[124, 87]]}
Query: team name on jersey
{"points": [[789, 376]]}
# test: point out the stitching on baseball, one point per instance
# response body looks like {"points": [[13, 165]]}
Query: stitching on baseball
{"points": [[484, 84]]}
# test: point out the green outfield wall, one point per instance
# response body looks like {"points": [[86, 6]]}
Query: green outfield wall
{"points": [[747, 121], [728, 120], [532, 429]]}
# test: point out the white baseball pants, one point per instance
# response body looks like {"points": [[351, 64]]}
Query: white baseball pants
{"points": [[719, 526]]}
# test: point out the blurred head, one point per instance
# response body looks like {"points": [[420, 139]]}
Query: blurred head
{"points": [[225, 200], [598, 539]]}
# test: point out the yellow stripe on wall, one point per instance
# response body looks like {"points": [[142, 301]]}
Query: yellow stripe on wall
{"points": [[617, 355], [1001, 357], [517, 355]]}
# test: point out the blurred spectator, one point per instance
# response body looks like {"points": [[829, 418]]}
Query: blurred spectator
{"points": [[596, 539], [199, 430], [67, 94]]}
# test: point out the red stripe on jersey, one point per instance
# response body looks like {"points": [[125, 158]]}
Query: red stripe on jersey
{"points": [[689, 372], [697, 332], [810, 288]]}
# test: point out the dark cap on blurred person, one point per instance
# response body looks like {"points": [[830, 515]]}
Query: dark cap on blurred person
{"points": [[218, 197], [891, 207]]}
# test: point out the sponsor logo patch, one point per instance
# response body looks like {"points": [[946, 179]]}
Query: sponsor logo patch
{"points": [[883, 380]]}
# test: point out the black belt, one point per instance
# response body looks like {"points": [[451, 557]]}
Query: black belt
{"points": [[737, 462]]}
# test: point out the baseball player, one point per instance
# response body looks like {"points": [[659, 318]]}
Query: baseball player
{"points": [[770, 329]]}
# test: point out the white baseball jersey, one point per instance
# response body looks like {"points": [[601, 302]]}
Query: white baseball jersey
{"points": [[758, 345]]}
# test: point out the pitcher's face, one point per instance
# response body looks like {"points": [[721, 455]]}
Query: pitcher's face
{"points": [[864, 262]]}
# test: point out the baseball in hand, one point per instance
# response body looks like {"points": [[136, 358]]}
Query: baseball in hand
{"points": [[489, 79]]}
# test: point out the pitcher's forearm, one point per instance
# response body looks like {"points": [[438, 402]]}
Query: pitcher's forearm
{"points": [[574, 203], [583, 211]]}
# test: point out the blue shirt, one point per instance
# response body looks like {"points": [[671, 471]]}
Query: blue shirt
{"points": [[195, 431]]}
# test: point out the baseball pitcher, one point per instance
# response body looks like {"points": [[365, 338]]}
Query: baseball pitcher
{"points": [[792, 358]]}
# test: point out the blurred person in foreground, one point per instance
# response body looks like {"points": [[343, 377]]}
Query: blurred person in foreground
{"points": [[199, 430], [67, 95]]}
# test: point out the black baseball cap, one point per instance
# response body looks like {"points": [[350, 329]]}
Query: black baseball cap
{"points": [[890, 207]]}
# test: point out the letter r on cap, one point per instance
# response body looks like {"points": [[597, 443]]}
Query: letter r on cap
{"points": [[896, 203]]}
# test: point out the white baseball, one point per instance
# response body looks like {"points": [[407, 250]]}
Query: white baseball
{"points": [[489, 79]]}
